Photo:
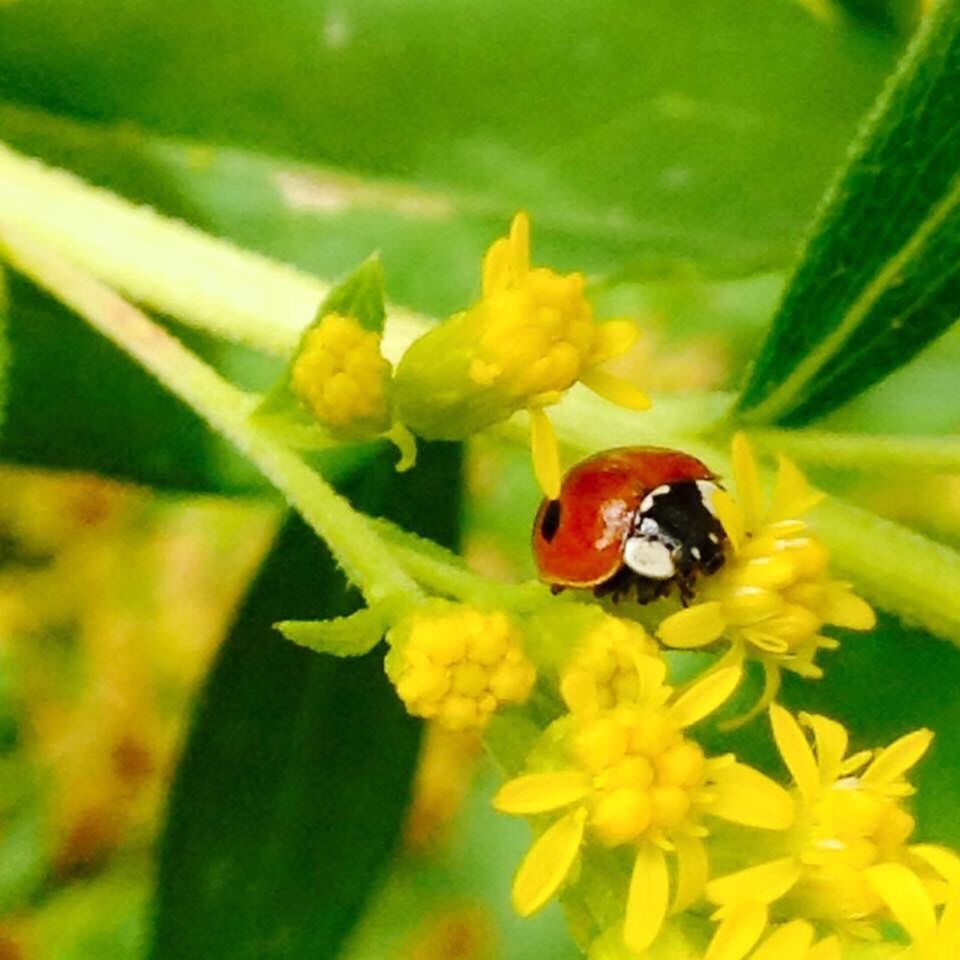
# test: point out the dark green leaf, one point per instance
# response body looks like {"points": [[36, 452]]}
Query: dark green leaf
{"points": [[652, 130], [75, 402], [881, 276], [295, 777]]}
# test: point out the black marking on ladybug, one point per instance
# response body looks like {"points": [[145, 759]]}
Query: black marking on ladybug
{"points": [[551, 521], [675, 538]]}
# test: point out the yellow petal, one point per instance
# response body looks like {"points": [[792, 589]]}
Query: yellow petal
{"points": [[827, 949], [745, 473], [539, 792], [751, 604], [546, 453], [795, 751], [496, 267], [738, 932], [731, 517], [547, 863], [520, 245], [705, 696], [615, 389], [693, 869], [843, 608], [832, 741], [647, 899], [792, 496], [744, 795], [694, 627], [901, 890], [762, 884], [943, 861], [789, 942], [612, 338], [893, 761]]}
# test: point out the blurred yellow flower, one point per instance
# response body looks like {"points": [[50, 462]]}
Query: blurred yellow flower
{"points": [[775, 594], [457, 665], [630, 776], [848, 859], [529, 338]]}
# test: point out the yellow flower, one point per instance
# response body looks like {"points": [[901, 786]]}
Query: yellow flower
{"points": [[933, 938], [607, 666], [847, 859], [630, 776], [774, 595], [457, 665], [795, 941], [529, 338], [341, 377]]}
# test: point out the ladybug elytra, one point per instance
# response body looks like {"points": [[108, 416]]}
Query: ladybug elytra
{"points": [[631, 518]]}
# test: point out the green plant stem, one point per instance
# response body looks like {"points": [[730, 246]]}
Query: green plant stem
{"points": [[364, 558], [169, 266], [445, 573], [862, 451]]}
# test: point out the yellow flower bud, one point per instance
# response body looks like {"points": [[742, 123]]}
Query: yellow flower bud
{"points": [[341, 377]]}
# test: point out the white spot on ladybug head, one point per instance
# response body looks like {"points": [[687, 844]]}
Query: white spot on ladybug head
{"points": [[647, 502], [649, 558], [649, 528], [707, 490]]}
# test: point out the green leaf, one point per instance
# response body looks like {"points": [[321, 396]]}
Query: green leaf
{"points": [[75, 402], [881, 277], [651, 131], [295, 777], [351, 636]]}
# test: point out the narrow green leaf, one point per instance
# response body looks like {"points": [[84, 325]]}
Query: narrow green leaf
{"points": [[74, 402], [881, 277], [350, 636], [295, 777]]}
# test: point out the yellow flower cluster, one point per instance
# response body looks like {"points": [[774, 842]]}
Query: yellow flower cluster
{"points": [[847, 863], [774, 594], [630, 776], [607, 666], [341, 376], [457, 665], [529, 338]]}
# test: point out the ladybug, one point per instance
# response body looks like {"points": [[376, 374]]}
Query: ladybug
{"points": [[631, 518]]}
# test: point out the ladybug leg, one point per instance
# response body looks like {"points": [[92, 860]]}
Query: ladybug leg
{"points": [[556, 588]]}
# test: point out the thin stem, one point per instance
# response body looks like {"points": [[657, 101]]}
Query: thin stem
{"points": [[445, 572], [364, 558], [863, 451], [171, 267]]}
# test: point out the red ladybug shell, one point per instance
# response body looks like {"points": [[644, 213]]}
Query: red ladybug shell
{"points": [[598, 500]]}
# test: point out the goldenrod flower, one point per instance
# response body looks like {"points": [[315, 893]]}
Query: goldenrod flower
{"points": [[530, 337], [457, 665], [847, 859], [932, 938], [341, 377], [607, 666], [774, 594], [795, 941], [630, 776]]}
